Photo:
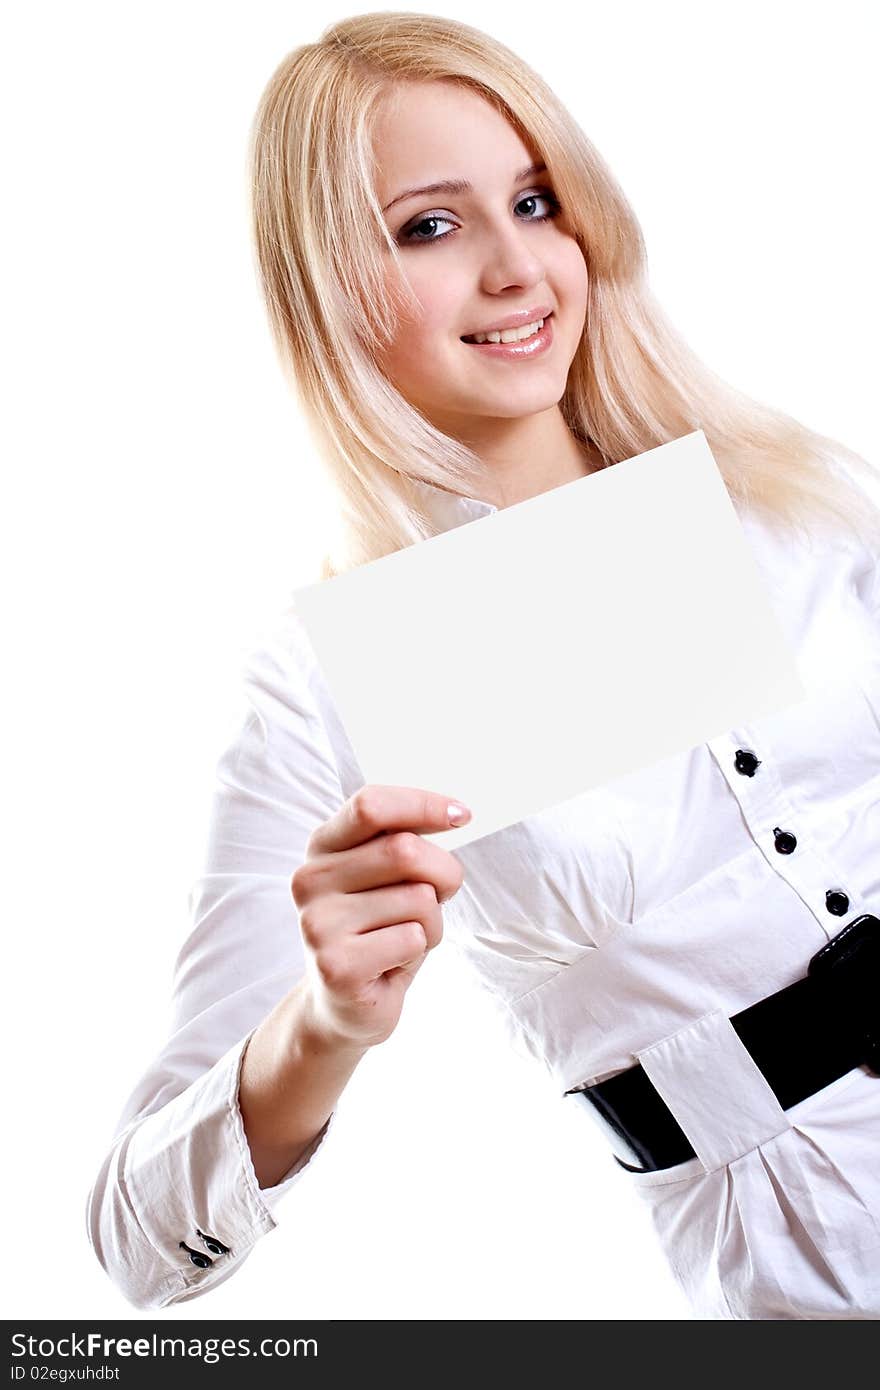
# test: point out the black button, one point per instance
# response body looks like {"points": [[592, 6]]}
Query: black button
{"points": [[746, 762], [785, 841], [196, 1256], [836, 901], [215, 1246]]}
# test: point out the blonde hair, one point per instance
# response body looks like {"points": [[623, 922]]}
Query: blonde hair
{"points": [[321, 245]]}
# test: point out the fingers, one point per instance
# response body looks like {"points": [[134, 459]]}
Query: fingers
{"points": [[329, 918], [378, 810], [398, 857], [389, 948], [368, 895]]}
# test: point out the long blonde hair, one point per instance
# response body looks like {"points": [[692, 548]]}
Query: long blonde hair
{"points": [[321, 246]]}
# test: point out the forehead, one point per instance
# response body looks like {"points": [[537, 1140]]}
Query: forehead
{"points": [[440, 129]]}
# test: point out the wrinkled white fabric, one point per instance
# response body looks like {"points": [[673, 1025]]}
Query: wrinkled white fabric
{"points": [[626, 924], [180, 1164]]}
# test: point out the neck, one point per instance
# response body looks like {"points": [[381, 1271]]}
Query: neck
{"points": [[528, 456]]}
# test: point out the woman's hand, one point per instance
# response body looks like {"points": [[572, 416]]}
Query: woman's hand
{"points": [[369, 894]]}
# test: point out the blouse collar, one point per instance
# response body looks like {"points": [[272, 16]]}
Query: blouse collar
{"points": [[450, 509]]}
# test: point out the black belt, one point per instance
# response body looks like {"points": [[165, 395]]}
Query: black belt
{"points": [[802, 1038]]}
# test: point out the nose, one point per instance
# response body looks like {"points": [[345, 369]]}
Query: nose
{"points": [[509, 258]]}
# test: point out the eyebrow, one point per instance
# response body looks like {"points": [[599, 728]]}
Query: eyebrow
{"points": [[459, 185]]}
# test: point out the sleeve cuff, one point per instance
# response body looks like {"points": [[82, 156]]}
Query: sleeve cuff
{"points": [[188, 1174]]}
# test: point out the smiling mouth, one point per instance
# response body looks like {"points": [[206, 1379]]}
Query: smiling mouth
{"points": [[510, 335]]}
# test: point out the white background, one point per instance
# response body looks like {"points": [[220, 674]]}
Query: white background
{"points": [[159, 508]]}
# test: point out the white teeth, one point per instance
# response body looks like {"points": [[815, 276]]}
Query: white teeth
{"points": [[509, 335]]}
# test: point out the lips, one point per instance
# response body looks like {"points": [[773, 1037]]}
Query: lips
{"points": [[522, 349], [521, 318]]}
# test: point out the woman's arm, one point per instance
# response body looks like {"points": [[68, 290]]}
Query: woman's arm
{"points": [[180, 1174], [291, 1079]]}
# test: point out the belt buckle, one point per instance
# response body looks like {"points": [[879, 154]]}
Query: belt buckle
{"points": [[850, 964]]}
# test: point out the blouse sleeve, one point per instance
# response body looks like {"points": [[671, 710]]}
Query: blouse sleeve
{"points": [[866, 576], [868, 582], [874, 599], [179, 1176]]}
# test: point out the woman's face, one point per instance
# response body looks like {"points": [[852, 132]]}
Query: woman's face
{"points": [[474, 257]]}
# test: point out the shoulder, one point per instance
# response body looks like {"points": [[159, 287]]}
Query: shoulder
{"points": [[283, 672], [790, 554], [280, 659]]}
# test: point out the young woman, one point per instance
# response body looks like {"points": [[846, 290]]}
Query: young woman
{"points": [[417, 189]]}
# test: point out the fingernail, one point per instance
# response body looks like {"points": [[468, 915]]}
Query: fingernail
{"points": [[457, 813]]}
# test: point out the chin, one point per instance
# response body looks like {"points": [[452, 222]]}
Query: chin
{"points": [[525, 403]]}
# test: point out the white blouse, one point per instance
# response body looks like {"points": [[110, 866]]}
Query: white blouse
{"points": [[627, 924]]}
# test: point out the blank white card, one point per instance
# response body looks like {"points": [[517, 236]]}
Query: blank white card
{"points": [[552, 646]]}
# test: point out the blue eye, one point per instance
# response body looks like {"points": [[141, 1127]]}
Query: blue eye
{"points": [[409, 237]]}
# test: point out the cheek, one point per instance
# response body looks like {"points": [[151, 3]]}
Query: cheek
{"points": [[426, 336], [436, 317], [572, 275]]}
